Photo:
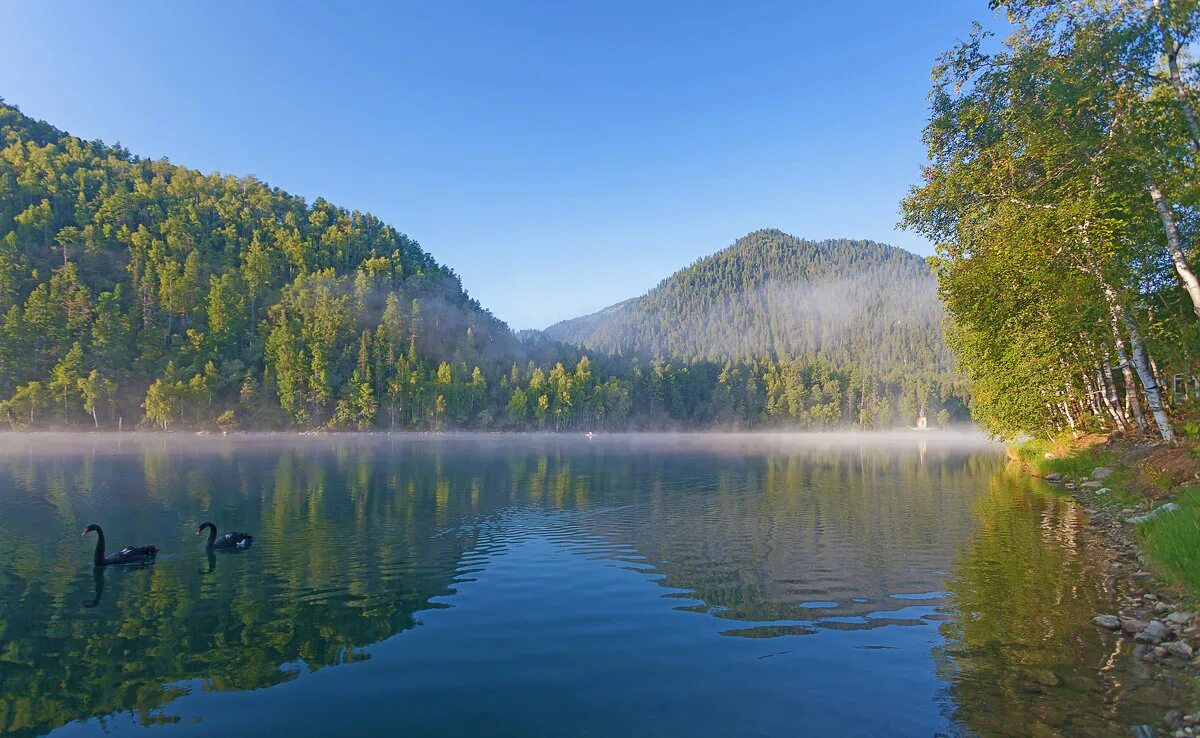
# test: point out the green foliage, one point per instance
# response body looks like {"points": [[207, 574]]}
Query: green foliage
{"points": [[1054, 261], [137, 290], [846, 303]]}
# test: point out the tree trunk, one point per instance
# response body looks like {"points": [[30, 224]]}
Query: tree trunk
{"points": [[1182, 267], [1066, 408], [1110, 384], [1171, 51], [1142, 364], [1091, 396], [1109, 394], [1131, 401], [95, 419]]}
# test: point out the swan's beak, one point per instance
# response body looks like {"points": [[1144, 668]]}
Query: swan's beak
{"points": [[84, 533]]}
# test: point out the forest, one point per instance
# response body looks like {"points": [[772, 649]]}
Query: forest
{"points": [[136, 293], [846, 302], [1062, 195]]}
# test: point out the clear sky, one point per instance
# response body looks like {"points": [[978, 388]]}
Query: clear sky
{"points": [[560, 156]]}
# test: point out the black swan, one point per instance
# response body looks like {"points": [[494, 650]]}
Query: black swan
{"points": [[127, 555], [229, 540]]}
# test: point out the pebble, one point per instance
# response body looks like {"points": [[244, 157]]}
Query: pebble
{"points": [[1112, 622]]}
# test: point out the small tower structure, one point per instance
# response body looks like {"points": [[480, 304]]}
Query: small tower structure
{"points": [[922, 424]]}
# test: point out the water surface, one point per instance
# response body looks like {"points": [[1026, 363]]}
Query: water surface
{"points": [[552, 586]]}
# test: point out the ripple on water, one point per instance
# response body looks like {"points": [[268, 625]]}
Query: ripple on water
{"points": [[631, 587]]}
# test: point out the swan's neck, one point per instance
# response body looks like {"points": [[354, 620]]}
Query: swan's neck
{"points": [[99, 558]]}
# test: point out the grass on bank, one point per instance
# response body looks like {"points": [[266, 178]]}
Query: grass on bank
{"points": [[1172, 540]]}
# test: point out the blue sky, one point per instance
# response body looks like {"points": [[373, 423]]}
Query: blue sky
{"points": [[560, 156]]}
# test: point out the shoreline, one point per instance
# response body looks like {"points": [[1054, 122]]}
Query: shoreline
{"points": [[1156, 620]]}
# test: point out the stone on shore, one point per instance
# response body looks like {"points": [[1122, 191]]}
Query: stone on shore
{"points": [[1154, 633], [1133, 626], [1101, 472], [1178, 649], [1179, 619], [1053, 477], [1092, 485], [1168, 507]]}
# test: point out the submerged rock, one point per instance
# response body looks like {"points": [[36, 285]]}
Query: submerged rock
{"points": [[1133, 626], [1112, 622]]}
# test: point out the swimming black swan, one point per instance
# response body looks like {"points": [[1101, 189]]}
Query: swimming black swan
{"points": [[229, 540], [127, 555]]}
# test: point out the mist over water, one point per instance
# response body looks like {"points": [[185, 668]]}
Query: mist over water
{"points": [[708, 584]]}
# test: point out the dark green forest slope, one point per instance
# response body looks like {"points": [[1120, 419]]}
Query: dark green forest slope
{"points": [[138, 292], [771, 294]]}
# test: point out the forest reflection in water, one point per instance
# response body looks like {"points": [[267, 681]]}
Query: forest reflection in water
{"points": [[894, 584]]}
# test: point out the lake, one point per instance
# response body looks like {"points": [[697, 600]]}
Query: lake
{"points": [[732, 585]]}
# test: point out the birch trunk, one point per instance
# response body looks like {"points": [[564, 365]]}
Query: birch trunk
{"points": [[1091, 396], [1141, 363], [1110, 382], [1171, 51], [1111, 400], [1131, 400], [1182, 267], [1066, 408]]}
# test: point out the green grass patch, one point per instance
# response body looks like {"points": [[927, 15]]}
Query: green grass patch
{"points": [[1072, 463], [1173, 540]]}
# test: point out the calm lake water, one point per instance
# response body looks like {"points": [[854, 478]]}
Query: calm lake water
{"points": [[551, 586]]}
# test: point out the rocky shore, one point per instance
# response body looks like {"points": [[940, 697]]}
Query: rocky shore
{"points": [[1158, 629]]}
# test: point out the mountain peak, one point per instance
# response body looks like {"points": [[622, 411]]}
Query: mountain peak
{"points": [[771, 294]]}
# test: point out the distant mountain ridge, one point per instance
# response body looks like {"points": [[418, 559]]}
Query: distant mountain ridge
{"points": [[771, 294]]}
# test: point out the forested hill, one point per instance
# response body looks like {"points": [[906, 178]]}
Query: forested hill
{"points": [[143, 274], [138, 293], [845, 302]]}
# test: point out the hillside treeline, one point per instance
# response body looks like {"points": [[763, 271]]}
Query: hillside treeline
{"points": [[136, 292], [849, 303]]}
